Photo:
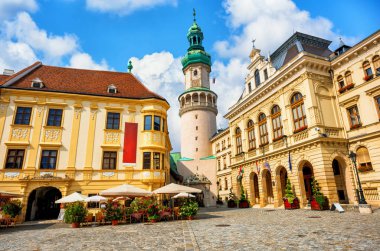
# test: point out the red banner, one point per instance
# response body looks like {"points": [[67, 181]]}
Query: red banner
{"points": [[130, 143]]}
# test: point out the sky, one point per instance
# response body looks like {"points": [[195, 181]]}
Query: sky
{"points": [[106, 34]]}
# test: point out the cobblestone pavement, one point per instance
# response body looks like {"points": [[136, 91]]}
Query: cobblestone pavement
{"points": [[214, 229]]}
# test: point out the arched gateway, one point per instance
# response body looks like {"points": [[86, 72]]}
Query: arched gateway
{"points": [[41, 204]]}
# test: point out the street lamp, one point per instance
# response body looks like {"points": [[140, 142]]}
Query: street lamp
{"points": [[352, 156]]}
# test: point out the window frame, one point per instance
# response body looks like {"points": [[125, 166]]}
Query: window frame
{"points": [[359, 123], [109, 158], [367, 164], [16, 157], [257, 78], [377, 103], [148, 127], [294, 106], [147, 165], [277, 123], [251, 135], [49, 157], [156, 127], [376, 62], [156, 161], [263, 130], [54, 117], [112, 124], [22, 115], [366, 68], [239, 143]]}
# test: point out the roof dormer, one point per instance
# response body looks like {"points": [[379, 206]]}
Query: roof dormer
{"points": [[112, 89], [37, 83]]}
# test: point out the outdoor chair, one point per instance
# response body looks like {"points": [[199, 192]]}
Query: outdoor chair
{"points": [[100, 218], [88, 219], [176, 214], [165, 215]]}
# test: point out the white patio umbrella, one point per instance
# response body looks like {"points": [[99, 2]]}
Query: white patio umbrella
{"points": [[125, 190], [72, 198], [121, 198], [173, 188], [95, 198], [183, 195], [5, 194]]}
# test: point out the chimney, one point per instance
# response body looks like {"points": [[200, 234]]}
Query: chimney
{"points": [[8, 72]]}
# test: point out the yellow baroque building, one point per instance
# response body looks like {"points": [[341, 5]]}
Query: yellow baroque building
{"points": [[66, 130], [302, 111]]}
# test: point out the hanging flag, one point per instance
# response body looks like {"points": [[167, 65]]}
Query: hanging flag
{"points": [[213, 80], [257, 167], [290, 162], [266, 164]]}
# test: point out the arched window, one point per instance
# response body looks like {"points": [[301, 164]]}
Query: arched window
{"points": [[251, 136], [263, 129], [368, 75], [276, 123], [298, 110], [239, 146], [340, 81], [348, 78], [376, 64], [257, 78], [363, 160]]}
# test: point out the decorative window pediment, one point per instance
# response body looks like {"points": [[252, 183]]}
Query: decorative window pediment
{"points": [[112, 89], [37, 83]]}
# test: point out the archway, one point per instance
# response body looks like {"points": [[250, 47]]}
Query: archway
{"points": [[281, 177], [254, 187], [41, 204], [307, 174], [267, 187], [340, 178]]}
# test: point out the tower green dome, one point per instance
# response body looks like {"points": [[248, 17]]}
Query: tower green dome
{"points": [[196, 52]]}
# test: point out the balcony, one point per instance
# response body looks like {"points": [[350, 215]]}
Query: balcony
{"points": [[153, 139], [198, 105]]}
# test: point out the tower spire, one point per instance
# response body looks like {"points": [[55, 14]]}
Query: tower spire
{"points": [[194, 14]]}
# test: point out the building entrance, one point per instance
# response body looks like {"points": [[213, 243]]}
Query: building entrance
{"points": [[41, 204]]}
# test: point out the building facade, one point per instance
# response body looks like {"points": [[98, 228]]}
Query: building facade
{"points": [[64, 130], [296, 119], [198, 110]]}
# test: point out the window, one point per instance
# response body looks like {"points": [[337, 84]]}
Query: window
{"points": [[49, 159], [196, 149], [146, 160], [228, 142], [298, 111], [156, 160], [196, 116], [163, 125], [354, 117], [251, 136], [276, 123], [225, 184], [15, 158], [340, 81], [224, 163], [377, 100], [113, 120], [263, 129], [239, 146], [265, 74], [220, 184], [54, 117], [163, 161], [109, 160], [112, 89], [196, 138], [23, 115], [157, 123], [257, 78], [348, 77], [249, 87], [363, 160], [376, 64], [196, 128], [367, 71], [147, 122], [336, 169], [219, 166]]}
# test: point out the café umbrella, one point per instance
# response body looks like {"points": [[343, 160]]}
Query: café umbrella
{"points": [[125, 190], [95, 198], [183, 195], [173, 188], [72, 198]]}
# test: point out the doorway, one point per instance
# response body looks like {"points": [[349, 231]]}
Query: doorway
{"points": [[282, 176], [267, 187], [307, 178], [41, 204], [339, 177], [255, 193]]}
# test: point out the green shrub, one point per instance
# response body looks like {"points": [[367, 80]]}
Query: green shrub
{"points": [[318, 195], [75, 212], [190, 208], [12, 208], [289, 192], [113, 211]]}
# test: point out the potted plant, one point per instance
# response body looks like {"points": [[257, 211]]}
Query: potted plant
{"points": [[231, 200], [153, 212], [367, 77], [75, 213], [189, 209], [12, 208], [290, 200], [318, 201], [113, 212], [243, 202]]}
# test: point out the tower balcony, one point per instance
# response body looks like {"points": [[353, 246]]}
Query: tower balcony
{"points": [[198, 106], [198, 100]]}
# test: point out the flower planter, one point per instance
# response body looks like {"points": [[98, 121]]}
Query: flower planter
{"points": [[290, 206], [243, 204], [75, 225], [231, 204], [114, 222], [191, 217], [153, 220], [315, 206]]}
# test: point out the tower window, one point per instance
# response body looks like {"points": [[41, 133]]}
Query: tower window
{"points": [[196, 138], [196, 128], [196, 116], [196, 149], [195, 73]]}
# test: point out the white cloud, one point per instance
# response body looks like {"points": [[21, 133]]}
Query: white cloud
{"points": [[24, 30], [270, 22], [8, 8], [15, 55], [85, 61], [125, 7]]}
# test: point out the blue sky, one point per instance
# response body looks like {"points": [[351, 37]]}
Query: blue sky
{"points": [[105, 34]]}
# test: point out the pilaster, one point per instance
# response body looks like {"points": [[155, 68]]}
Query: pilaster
{"points": [[91, 137]]}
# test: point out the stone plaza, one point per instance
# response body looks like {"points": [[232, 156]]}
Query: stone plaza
{"points": [[213, 229]]}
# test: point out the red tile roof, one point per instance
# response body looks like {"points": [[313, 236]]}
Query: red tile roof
{"points": [[79, 81], [2, 78]]}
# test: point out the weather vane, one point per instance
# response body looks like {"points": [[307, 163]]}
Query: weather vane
{"points": [[253, 43], [194, 14]]}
